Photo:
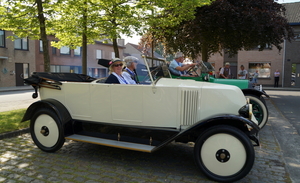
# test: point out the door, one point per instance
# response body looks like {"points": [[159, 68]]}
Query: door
{"points": [[22, 72], [297, 76]]}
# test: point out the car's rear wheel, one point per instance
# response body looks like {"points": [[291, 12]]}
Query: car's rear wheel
{"points": [[224, 153], [259, 109], [46, 130]]}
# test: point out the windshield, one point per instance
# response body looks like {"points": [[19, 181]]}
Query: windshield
{"points": [[206, 67], [147, 74]]}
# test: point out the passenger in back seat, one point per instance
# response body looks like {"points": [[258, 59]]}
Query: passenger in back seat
{"points": [[116, 72]]}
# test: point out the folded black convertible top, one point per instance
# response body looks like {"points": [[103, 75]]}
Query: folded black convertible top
{"points": [[38, 77]]}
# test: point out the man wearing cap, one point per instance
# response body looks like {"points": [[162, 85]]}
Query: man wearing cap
{"points": [[176, 67], [131, 63], [225, 71]]}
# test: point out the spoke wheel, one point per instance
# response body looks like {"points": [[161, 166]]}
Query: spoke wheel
{"points": [[224, 153], [259, 109], [46, 130]]}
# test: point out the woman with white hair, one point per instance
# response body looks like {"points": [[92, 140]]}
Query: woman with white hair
{"points": [[131, 63], [116, 72]]}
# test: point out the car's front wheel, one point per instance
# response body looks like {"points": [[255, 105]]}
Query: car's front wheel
{"points": [[46, 130], [224, 153]]}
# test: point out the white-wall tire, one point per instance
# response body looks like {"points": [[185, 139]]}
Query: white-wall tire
{"points": [[224, 153], [46, 130]]}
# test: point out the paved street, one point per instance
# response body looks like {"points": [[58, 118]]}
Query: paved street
{"points": [[12, 100], [287, 127], [22, 161]]}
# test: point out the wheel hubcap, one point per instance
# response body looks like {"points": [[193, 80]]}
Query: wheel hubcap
{"points": [[44, 131], [222, 155]]}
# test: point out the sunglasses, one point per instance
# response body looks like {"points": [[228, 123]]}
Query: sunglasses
{"points": [[117, 65]]}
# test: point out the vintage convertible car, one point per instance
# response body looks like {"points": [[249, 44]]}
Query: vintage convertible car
{"points": [[202, 73], [146, 117]]}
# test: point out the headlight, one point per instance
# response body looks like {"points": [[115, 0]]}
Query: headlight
{"points": [[246, 111]]}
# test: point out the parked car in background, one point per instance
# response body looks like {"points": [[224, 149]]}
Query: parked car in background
{"points": [[147, 117]]}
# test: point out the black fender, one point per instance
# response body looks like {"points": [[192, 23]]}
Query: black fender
{"points": [[60, 110], [255, 92], [231, 120]]}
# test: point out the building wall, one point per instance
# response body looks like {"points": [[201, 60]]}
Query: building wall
{"points": [[57, 59], [8, 73], [292, 56], [272, 56], [133, 51]]}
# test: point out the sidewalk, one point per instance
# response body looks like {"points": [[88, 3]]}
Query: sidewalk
{"points": [[16, 88]]}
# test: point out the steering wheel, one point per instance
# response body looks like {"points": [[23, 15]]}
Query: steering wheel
{"points": [[153, 74], [193, 70]]}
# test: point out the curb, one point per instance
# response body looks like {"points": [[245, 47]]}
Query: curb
{"points": [[14, 133]]}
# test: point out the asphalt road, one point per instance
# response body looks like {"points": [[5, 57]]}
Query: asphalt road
{"points": [[287, 128], [12, 100]]}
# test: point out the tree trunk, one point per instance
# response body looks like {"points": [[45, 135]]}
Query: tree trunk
{"points": [[84, 43], [84, 53], [43, 36], [204, 52], [116, 48]]}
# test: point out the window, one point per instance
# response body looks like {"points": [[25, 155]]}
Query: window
{"points": [[65, 50], [41, 46], [21, 44], [97, 72], [98, 54], [113, 55], [54, 48], [264, 69], [2, 38], [65, 69], [77, 51]]}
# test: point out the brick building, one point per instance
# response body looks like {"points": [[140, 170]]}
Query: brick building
{"points": [[17, 59], [21, 57]]}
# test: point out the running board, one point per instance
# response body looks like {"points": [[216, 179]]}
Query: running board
{"points": [[111, 143]]}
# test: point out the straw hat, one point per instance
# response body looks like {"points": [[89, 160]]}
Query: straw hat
{"points": [[114, 61]]}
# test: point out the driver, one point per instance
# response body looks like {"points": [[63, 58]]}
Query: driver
{"points": [[176, 67]]}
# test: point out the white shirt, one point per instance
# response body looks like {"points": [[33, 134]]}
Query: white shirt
{"points": [[122, 79], [242, 74], [128, 78]]}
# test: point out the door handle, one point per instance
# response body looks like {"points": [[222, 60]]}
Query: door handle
{"points": [[22, 76]]}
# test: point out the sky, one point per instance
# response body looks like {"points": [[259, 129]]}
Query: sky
{"points": [[135, 39]]}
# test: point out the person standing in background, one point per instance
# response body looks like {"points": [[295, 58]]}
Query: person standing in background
{"points": [[225, 71], [242, 74], [255, 76], [276, 77]]}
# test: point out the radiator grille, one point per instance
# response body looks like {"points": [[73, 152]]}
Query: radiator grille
{"points": [[189, 107]]}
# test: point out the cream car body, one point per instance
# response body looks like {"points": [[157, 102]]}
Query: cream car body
{"points": [[147, 117], [175, 103]]}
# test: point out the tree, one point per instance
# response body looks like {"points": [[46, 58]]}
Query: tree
{"points": [[230, 25], [27, 19], [112, 18]]}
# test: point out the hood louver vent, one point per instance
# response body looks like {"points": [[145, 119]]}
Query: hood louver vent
{"points": [[189, 107]]}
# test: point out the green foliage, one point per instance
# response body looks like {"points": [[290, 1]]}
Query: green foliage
{"points": [[20, 17], [10, 121], [228, 24]]}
